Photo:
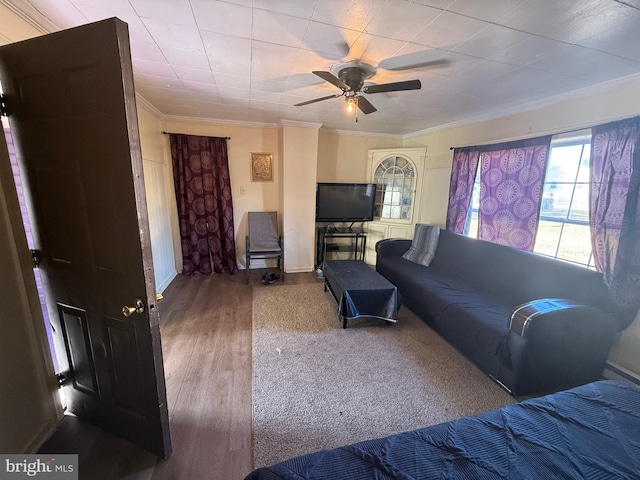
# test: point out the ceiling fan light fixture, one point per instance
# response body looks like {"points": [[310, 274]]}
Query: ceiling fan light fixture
{"points": [[351, 102]]}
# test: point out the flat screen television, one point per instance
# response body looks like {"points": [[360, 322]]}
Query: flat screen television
{"points": [[345, 202]]}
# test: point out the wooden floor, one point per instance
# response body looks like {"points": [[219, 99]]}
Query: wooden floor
{"points": [[206, 342]]}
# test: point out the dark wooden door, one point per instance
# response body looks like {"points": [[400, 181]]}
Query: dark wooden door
{"points": [[72, 113]]}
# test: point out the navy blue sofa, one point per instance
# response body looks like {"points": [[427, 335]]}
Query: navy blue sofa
{"points": [[472, 288]]}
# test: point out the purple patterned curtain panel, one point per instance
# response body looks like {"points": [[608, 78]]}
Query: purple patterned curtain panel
{"points": [[614, 215], [463, 174], [511, 177], [205, 209]]}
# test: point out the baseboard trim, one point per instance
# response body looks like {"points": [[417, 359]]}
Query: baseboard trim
{"points": [[160, 287], [612, 372], [299, 270], [48, 429]]}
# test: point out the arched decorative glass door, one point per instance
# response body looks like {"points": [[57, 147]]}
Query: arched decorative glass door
{"points": [[399, 176], [395, 178]]}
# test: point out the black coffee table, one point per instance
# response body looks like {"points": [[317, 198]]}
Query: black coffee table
{"points": [[360, 291]]}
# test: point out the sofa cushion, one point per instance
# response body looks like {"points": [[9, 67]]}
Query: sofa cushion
{"points": [[473, 321], [424, 244]]}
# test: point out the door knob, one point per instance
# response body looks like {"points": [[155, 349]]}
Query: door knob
{"points": [[159, 297], [129, 310]]}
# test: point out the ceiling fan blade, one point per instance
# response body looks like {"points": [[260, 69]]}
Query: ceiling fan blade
{"points": [[317, 100], [343, 47], [411, 62], [393, 87], [365, 105], [331, 78]]}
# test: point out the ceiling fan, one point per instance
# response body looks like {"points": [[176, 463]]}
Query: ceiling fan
{"points": [[350, 80]]}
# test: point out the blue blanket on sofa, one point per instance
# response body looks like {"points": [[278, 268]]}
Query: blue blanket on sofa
{"points": [[591, 431]]}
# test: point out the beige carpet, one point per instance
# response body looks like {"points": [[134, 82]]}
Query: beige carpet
{"points": [[318, 386]]}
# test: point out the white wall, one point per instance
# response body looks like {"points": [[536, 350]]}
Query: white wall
{"points": [[343, 157], [161, 203], [572, 114], [300, 157]]}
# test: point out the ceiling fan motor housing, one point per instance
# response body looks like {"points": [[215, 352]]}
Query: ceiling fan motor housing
{"points": [[354, 77]]}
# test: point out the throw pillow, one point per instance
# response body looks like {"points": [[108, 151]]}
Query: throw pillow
{"points": [[424, 244]]}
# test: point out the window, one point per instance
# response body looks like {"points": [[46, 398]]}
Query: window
{"points": [[395, 178], [563, 228]]}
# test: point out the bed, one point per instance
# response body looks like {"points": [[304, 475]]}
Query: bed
{"points": [[591, 431]]}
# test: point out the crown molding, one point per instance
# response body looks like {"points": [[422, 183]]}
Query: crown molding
{"points": [[534, 105], [217, 121], [294, 123], [31, 15], [141, 101], [354, 133]]}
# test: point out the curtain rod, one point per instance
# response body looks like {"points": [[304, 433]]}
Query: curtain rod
{"points": [[171, 133]]}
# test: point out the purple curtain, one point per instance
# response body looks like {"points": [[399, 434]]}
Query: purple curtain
{"points": [[205, 209], [463, 174], [511, 177], [614, 215]]}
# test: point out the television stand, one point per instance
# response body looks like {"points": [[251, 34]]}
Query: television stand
{"points": [[329, 240]]}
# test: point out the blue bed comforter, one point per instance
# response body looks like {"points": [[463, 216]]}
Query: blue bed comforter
{"points": [[592, 431]]}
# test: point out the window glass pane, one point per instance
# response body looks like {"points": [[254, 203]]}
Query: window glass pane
{"points": [[408, 170], [404, 212], [379, 171], [408, 184], [386, 211], [388, 162], [387, 198], [389, 191], [585, 164], [556, 199], [580, 205], [548, 237], [401, 162], [575, 244], [395, 211], [563, 164], [473, 225]]}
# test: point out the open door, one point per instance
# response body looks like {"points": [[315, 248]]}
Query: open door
{"points": [[71, 105]]}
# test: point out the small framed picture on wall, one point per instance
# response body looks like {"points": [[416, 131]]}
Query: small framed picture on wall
{"points": [[261, 167]]}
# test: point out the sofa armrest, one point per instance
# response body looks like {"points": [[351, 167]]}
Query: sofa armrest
{"points": [[536, 312], [555, 344], [392, 247]]}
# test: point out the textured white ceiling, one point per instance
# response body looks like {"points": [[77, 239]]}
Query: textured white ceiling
{"points": [[251, 60]]}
